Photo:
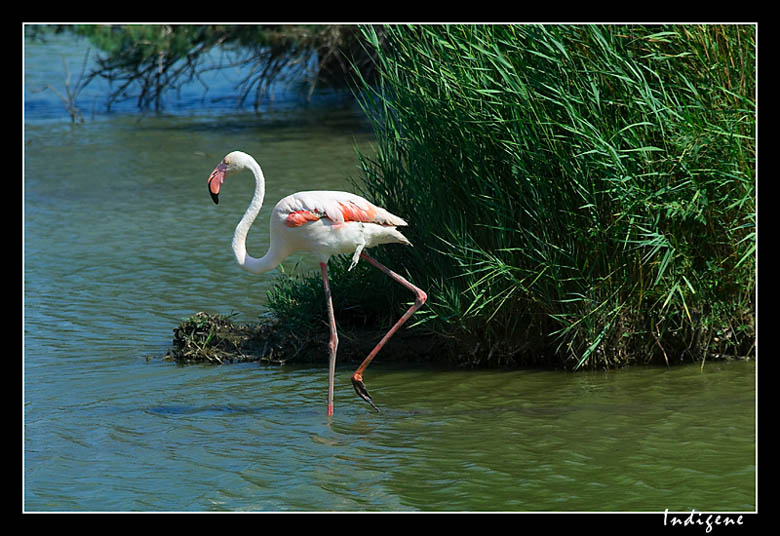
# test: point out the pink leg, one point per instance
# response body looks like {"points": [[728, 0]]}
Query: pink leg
{"points": [[333, 344], [357, 377]]}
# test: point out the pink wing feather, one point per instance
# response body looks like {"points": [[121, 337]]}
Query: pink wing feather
{"points": [[339, 207]]}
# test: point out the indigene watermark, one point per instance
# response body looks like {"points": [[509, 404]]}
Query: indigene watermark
{"points": [[697, 518]]}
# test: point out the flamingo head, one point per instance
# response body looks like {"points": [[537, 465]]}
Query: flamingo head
{"points": [[233, 162]]}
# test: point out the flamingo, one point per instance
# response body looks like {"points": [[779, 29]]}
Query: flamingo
{"points": [[323, 223]]}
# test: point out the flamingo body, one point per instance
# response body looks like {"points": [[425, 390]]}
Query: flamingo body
{"points": [[324, 223], [327, 223]]}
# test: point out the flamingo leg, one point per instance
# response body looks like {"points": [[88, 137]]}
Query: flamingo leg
{"points": [[420, 297], [333, 344]]}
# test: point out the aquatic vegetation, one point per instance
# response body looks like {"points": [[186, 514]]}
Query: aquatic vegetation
{"points": [[215, 338], [577, 195]]}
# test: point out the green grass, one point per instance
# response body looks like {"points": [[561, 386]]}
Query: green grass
{"points": [[582, 196]]}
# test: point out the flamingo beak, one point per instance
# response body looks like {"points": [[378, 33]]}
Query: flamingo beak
{"points": [[216, 179]]}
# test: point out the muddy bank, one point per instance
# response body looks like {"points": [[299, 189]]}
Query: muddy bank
{"points": [[213, 338], [219, 339]]}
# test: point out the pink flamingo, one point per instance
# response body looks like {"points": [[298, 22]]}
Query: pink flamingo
{"points": [[323, 223]]}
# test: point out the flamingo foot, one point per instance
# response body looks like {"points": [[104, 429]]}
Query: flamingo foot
{"points": [[362, 392]]}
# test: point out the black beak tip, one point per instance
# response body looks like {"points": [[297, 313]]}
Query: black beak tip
{"points": [[214, 197]]}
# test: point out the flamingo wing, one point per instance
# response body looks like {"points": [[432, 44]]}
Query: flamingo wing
{"points": [[339, 207]]}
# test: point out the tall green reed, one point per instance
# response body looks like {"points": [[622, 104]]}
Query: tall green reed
{"points": [[577, 195]]}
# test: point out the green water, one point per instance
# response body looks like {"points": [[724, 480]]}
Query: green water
{"points": [[121, 241]]}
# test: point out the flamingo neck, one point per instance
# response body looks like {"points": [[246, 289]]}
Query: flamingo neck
{"points": [[271, 259]]}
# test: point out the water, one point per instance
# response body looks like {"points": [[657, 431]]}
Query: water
{"points": [[122, 241]]}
